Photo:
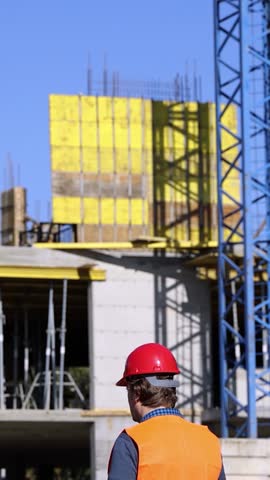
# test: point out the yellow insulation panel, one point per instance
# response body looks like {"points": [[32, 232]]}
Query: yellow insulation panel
{"points": [[100, 134], [63, 108], [111, 139], [65, 159], [120, 162], [107, 211], [66, 209]]}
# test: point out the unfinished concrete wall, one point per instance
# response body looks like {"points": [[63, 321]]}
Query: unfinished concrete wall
{"points": [[144, 300], [188, 334], [246, 458], [123, 319], [106, 429], [126, 310], [262, 405]]}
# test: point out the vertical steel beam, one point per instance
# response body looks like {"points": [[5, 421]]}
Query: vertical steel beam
{"points": [[266, 44], [246, 188]]}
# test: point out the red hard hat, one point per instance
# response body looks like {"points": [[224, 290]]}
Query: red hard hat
{"points": [[149, 359]]}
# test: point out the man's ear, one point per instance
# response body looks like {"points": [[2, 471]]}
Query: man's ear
{"points": [[135, 397]]}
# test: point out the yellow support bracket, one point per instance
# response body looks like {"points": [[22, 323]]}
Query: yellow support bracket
{"points": [[137, 244], [52, 273]]}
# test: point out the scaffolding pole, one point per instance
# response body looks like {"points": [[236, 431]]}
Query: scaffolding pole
{"points": [[50, 356], [26, 351], [15, 360], [63, 345]]}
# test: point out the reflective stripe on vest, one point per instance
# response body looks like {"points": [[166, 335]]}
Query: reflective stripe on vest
{"points": [[170, 447]]}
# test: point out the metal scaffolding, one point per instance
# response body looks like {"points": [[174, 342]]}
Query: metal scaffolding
{"points": [[53, 382], [242, 67]]}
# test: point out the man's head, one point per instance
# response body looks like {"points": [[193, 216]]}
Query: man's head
{"points": [[148, 376]]}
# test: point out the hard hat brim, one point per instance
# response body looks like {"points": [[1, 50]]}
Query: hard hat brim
{"points": [[122, 382]]}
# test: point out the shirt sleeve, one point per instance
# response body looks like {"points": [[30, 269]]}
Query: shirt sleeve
{"points": [[124, 459], [222, 475]]}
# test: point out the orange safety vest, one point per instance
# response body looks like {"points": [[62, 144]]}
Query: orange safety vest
{"points": [[171, 448]]}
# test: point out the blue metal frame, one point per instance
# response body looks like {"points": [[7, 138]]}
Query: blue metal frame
{"points": [[242, 72]]}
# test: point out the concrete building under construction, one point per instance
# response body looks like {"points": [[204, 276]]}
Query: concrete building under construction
{"points": [[128, 258]]}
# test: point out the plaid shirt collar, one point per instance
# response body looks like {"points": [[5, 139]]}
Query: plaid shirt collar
{"points": [[161, 411]]}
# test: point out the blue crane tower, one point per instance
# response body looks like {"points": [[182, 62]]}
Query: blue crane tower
{"points": [[242, 79]]}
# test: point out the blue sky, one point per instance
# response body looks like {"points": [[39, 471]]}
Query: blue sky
{"points": [[44, 49]]}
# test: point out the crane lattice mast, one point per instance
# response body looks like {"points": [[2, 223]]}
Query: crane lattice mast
{"points": [[242, 81]]}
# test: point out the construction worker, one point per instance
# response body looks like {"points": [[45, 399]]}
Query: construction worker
{"points": [[163, 445]]}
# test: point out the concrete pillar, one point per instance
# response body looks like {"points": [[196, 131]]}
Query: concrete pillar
{"points": [[90, 344], [106, 431], [92, 451]]}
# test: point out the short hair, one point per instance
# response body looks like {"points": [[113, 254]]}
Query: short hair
{"points": [[151, 396]]}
